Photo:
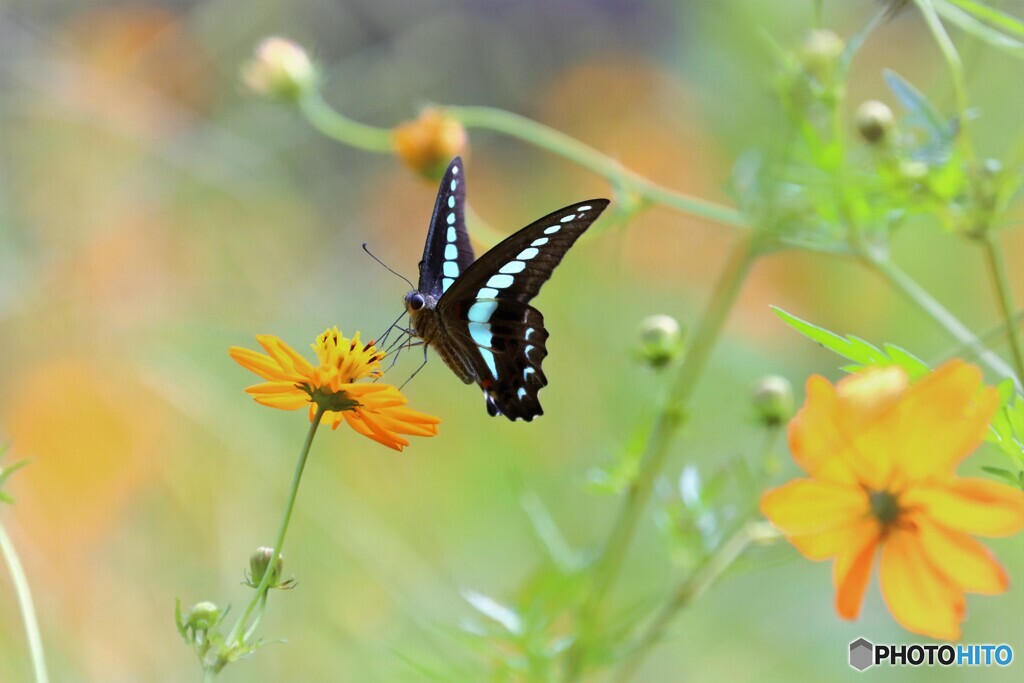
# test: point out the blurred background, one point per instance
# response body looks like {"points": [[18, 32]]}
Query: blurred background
{"points": [[153, 213]]}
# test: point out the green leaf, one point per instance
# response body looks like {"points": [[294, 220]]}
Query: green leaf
{"points": [[915, 367], [970, 24], [852, 348], [1016, 479], [993, 16], [494, 610]]}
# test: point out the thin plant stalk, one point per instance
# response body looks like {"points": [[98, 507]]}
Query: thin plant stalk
{"points": [[259, 595], [670, 418], [1001, 282], [341, 128], [28, 612]]}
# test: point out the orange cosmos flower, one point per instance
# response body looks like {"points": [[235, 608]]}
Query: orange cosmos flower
{"points": [[374, 410], [881, 459]]}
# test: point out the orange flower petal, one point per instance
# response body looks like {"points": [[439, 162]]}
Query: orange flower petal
{"points": [[919, 597], [262, 365], [961, 559], [284, 355], [813, 433], [810, 506], [852, 569], [283, 402], [974, 506]]}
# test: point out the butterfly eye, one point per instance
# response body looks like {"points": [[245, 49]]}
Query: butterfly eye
{"points": [[416, 301]]}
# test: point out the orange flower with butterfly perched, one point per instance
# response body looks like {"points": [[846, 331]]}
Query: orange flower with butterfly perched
{"points": [[375, 410], [881, 457]]}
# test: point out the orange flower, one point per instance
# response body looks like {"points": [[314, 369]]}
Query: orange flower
{"points": [[426, 144], [881, 459], [374, 410]]}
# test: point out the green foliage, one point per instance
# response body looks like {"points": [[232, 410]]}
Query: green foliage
{"points": [[5, 473]]}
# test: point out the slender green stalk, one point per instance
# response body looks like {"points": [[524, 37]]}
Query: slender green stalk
{"points": [[259, 595], [1001, 282], [332, 124], [589, 158], [28, 612], [956, 70], [691, 588], [209, 675], [989, 336], [672, 415], [936, 311]]}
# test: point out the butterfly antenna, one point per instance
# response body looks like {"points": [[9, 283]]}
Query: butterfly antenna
{"points": [[386, 266]]}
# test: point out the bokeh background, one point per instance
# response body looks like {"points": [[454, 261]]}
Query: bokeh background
{"points": [[153, 213]]}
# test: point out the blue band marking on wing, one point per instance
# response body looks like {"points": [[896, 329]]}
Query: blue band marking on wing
{"points": [[481, 333], [446, 283], [500, 281], [455, 171], [450, 234], [529, 331], [528, 371], [481, 311], [539, 242], [451, 202], [451, 218], [528, 253], [552, 230], [583, 208], [451, 252], [487, 293], [513, 267], [451, 269], [489, 359], [566, 219], [454, 184], [521, 393], [526, 352]]}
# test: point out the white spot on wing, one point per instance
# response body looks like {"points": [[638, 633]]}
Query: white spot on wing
{"points": [[529, 331], [486, 293], [451, 218], [528, 371], [513, 267], [526, 351], [454, 184], [489, 359], [455, 170], [481, 333], [584, 208], [528, 253], [521, 393], [446, 283], [539, 242], [553, 229], [451, 269], [481, 311], [451, 202], [566, 219], [500, 281], [451, 234], [451, 252]]}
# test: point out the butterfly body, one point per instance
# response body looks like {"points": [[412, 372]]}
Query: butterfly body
{"points": [[476, 313]]}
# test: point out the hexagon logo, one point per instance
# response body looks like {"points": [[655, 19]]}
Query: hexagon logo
{"points": [[861, 654]]}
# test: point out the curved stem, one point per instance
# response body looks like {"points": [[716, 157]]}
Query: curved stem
{"points": [[259, 595], [332, 124], [609, 561], [589, 158], [1001, 281], [936, 311], [28, 612], [691, 588]]}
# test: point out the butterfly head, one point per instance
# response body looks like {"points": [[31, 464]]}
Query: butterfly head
{"points": [[416, 301]]}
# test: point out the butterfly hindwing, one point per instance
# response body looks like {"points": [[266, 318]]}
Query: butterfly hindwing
{"points": [[447, 253], [487, 315]]}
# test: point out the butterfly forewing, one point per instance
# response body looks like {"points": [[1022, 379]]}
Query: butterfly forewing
{"points": [[447, 253], [487, 315]]}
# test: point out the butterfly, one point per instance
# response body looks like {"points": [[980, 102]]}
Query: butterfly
{"points": [[476, 314]]}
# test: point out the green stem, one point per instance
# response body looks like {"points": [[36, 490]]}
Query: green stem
{"points": [[209, 675], [1001, 281], [609, 562], [332, 124], [589, 158], [956, 70], [259, 594], [28, 612], [691, 588], [935, 310]]}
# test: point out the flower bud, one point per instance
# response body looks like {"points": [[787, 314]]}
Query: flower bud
{"points": [[281, 69], [258, 563], [874, 120], [202, 616], [819, 51], [772, 399], [660, 340], [427, 143]]}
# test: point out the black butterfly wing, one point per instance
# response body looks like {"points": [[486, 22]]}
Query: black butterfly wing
{"points": [[488, 318], [447, 253]]}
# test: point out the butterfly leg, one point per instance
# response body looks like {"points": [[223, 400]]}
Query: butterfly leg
{"points": [[422, 365]]}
